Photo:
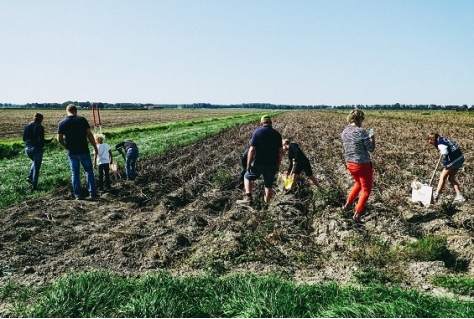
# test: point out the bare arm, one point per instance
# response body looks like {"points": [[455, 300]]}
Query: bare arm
{"points": [[280, 156], [251, 156], [92, 140], [60, 139]]}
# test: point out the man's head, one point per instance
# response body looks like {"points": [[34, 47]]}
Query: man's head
{"points": [[71, 109], [266, 120], [286, 144]]}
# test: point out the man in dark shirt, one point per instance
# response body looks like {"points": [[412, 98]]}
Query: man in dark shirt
{"points": [[264, 158], [73, 133]]}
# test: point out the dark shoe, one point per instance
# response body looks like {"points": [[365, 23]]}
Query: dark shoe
{"points": [[80, 198], [93, 197], [29, 180], [356, 217], [33, 189]]}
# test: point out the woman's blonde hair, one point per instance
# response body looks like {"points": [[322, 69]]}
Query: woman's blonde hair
{"points": [[356, 116]]}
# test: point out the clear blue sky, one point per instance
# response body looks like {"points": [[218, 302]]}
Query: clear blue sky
{"points": [[238, 51]]}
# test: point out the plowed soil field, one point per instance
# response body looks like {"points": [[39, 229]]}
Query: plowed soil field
{"points": [[12, 121], [180, 213]]}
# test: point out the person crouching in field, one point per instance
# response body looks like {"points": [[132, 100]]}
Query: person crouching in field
{"points": [[129, 151], [357, 145], [453, 160], [103, 158], [33, 136], [298, 163]]}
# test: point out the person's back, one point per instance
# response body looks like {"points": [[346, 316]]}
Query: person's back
{"points": [[357, 144], [103, 156], [295, 152], [33, 135], [126, 144], [75, 127], [264, 158], [451, 151], [130, 155], [267, 142]]}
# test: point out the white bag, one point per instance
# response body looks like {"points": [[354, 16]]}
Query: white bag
{"points": [[422, 193]]}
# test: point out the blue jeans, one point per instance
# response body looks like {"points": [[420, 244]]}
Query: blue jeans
{"points": [[75, 162], [36, 156], [131, 163]]}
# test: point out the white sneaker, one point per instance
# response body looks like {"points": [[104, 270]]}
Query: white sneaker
{"points": [[435, 196], [459, 198]]}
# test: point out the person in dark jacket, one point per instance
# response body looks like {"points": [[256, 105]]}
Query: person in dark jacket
{"points": [[453, 160], [33, 136], [129, 151], [298, 162]]}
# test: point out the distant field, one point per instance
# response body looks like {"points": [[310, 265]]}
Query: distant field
{"points": [[13, 121]]}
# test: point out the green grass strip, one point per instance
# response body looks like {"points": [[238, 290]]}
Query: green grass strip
{"points": [[151, 139], [99, 294]]}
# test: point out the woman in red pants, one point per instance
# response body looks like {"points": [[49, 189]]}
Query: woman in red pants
{"points": [[357, 145]]}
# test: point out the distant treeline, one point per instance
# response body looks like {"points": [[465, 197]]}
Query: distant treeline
{"points": [[102, 105]]}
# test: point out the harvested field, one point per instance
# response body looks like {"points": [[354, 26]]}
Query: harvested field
{"points": [[12, 121], [180, 213]]}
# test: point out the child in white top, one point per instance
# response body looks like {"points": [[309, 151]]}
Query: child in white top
{"points": [[103, 158]]}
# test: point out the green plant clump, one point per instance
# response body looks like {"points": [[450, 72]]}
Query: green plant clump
{"points": [[459, 285], [427, 249]]}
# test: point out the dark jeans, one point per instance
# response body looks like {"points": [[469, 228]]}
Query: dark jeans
{"points": [[131, 163], [36, 156], [104, 171]]}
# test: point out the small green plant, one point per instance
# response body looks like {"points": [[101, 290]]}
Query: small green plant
{"points": [[459, 285], [427, 249], [15, 291], [369, 275], [372, 251], [328, 197], [222, 179]]}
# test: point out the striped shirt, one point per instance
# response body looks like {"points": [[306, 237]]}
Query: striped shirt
{"points": [[357, 144]]}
